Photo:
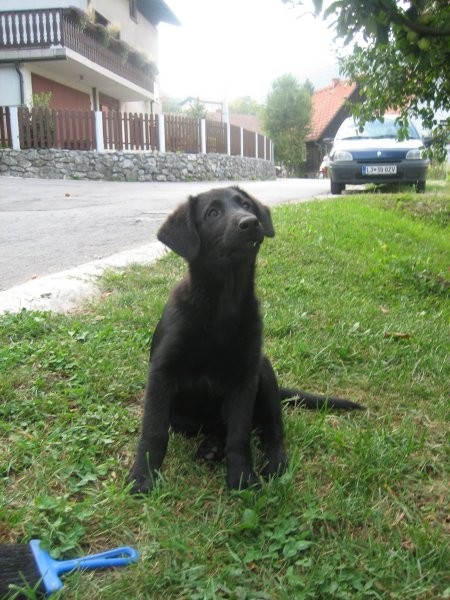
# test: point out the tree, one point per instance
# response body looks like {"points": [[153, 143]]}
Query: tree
{"points": [[400, 58], [245, 105], [286, 119], [171, 105], [197, 110]]}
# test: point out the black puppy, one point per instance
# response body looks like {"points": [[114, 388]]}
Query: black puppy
{"points": [[208, 374]]}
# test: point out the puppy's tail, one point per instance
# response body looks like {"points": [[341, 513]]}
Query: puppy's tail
{"points": [[315, 401]]}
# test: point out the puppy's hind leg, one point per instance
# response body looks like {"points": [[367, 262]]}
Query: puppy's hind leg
{"points": [[211, 449]]}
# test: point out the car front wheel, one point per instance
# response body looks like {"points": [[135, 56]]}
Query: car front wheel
{"points": [[336, 187]]}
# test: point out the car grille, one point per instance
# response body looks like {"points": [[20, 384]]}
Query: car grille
{"points": [[381, 160]]}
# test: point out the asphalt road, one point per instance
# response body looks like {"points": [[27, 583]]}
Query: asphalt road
{"points": [[47, 226]]}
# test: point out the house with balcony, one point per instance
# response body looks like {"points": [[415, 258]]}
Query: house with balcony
{"points": [[82, 54]]}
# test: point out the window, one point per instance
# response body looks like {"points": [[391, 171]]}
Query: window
{"points": [[101, 19], [133, 9]]}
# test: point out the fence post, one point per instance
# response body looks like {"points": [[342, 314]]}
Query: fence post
{"points": [[228, 139], [203, 136], [99, 140], [14, 123], [256, 144], [161, 133], [242, 141]]}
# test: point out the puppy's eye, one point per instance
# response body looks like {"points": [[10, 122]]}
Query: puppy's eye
{"points": [[213, 213], [246, 205]]}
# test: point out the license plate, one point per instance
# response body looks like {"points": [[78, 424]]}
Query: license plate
{"points": [[379, 170]]}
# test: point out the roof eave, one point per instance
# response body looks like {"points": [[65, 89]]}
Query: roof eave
{"points": [[157, 11]]}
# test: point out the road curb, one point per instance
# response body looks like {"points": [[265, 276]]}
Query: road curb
{"points": [[65, 291]]}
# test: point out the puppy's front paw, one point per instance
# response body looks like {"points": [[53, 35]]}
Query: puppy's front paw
{"points": [[141, 484], [275, 466], [240, 479]]}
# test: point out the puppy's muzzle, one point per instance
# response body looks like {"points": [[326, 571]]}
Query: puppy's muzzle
{"points": [[250, 227]]}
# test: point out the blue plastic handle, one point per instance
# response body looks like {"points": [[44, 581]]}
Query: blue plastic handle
{"points": [[50, 568]]}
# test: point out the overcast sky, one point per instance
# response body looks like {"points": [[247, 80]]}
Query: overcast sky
{"points": [[238, 47]]}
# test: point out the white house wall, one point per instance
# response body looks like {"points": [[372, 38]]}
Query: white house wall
{"points": [[27, 85], [10, 87], [141, 35], [42, 4]]}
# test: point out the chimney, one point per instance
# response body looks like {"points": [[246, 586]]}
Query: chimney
{"points": [[335, 82]]}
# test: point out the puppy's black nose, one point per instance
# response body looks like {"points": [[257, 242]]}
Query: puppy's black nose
{"points": [[249, 223]]}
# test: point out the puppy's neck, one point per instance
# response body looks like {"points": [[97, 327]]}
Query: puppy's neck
{"points": [[229, 285]]}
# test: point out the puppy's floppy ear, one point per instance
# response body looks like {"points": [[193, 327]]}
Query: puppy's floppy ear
{"points": [[265, 218], [179, 231]]}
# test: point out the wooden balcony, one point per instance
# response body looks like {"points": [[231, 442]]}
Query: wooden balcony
{"points": [[60, 28]]}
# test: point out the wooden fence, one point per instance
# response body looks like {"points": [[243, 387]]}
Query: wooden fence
{"points": [[96, 130], [53, 128], [127, 131], [249, 143], [182, 134], [216, 137], [261, 143], [235, 140], [5, 127]]}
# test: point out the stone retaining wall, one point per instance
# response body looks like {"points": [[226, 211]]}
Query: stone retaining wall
{"points": [[131, 166]]}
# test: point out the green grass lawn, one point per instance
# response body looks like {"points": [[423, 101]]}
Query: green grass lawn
{"points": [[354, 292]]}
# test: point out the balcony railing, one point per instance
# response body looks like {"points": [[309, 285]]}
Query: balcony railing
{"points": [[64, 28]]}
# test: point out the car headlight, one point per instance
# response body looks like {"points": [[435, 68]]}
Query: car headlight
{"points": [[342, 155], [415, 154]]}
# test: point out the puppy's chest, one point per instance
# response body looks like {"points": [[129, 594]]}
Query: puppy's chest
{"points": [[229, 336], [223, 346]]}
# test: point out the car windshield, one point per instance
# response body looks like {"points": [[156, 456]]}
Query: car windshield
{"points": [[373, 130]]}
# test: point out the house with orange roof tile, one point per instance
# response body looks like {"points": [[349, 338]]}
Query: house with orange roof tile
{"points": [[328, 112]]}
